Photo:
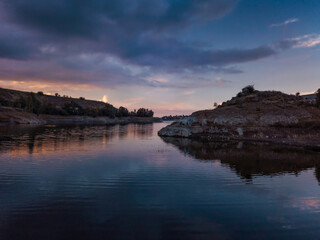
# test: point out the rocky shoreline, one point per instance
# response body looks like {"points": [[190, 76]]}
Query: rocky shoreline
{"points": [[267, 116], [11, 116]]}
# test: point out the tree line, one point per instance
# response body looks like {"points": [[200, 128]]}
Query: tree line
{"points": [[31, 103]]}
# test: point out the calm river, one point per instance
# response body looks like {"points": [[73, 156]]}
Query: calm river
{"points": [[125, 182]]}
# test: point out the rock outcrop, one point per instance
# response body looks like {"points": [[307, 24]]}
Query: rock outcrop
{"points": [[258, 116]]}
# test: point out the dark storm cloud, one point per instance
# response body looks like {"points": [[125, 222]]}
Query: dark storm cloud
{"points": [[13, 49], [74, 37], [171, 53], [92, 17]]}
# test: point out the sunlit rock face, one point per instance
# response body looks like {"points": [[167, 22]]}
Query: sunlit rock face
{"points": [[268, 116]]}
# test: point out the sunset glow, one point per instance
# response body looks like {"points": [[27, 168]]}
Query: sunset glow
{"points": [[140, 57]]}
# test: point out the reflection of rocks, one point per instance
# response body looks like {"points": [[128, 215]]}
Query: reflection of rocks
{"points": [[249, 159]]}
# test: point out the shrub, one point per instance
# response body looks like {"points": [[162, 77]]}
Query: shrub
{"points": [[108, 111], [4, 102], [21, 103], [73, 108], [248, 89], [40, 93], [51, 110], [318, 97], [142, 112], [92, 112], [32, 104], [123, 112]]}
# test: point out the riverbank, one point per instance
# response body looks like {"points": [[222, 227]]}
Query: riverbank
{"points": [[264, 116], [13, 116]]}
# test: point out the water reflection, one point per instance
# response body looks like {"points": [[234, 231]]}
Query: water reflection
{"points": [[124, 182], [251, 159], [30, 139]]}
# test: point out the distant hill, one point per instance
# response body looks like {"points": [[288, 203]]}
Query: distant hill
{"points": [[9, 97], [40, 103], [18, 107]]}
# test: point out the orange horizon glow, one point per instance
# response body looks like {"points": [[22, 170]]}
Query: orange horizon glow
{"points": [[88, 90]]}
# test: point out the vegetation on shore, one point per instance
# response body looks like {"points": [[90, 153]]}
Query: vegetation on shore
{"points": [[39, 103]]}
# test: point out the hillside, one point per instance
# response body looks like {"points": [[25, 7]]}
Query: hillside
{"points": [[10, 97], [18, 107], [257, 115]]}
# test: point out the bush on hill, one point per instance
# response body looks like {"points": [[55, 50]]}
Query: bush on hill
{"points": [[142, 112], [122, 112], [73, 108], [33, 104], [246, 91], [318, 97]]}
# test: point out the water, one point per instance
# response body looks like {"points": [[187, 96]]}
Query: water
{"points": [[124, 182]]}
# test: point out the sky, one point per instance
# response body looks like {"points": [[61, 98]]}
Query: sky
{"points": [[172, 56]]}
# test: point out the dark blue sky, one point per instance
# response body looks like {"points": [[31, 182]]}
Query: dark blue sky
{"points": [[169, 55]]}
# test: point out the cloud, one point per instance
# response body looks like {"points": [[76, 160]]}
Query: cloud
{"points": [[117, 42], [287, 22], [189, 82], [130, 102], [89, 19], [305, 41], [61, 88], [221, 82], [111, 43], [188, 92]]}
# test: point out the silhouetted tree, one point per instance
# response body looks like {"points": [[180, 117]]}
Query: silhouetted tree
{"points": [[246, 91], [123, 112], [142, 112], [33, 104], [108, 111], [318, 97]]}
